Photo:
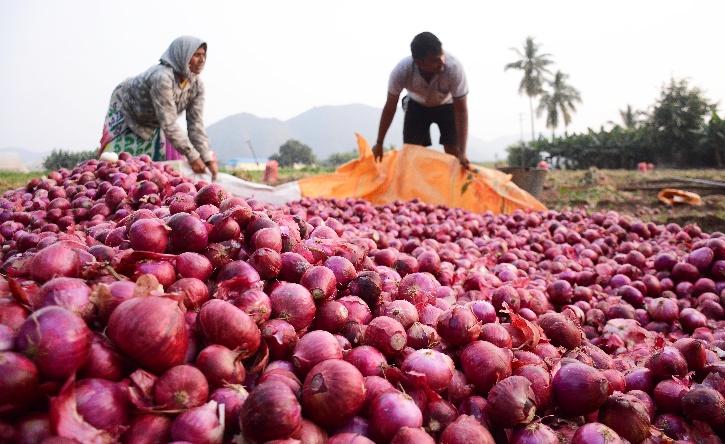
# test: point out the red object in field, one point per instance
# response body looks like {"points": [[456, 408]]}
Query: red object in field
{"points": [[543, 165], [271, 172]]}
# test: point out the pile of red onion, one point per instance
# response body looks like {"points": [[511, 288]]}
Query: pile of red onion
{"points": [[140, 306]]}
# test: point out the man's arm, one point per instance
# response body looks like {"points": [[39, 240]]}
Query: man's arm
{"points": [[386, 118], [460, 109]]}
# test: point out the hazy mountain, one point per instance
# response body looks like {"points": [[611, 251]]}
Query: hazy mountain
{"points": [[327, 129]]}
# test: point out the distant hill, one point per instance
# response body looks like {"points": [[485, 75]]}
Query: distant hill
{"points": [[327, 129]]}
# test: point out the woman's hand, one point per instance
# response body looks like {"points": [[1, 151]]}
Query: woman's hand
{"points": [[198, 166]]}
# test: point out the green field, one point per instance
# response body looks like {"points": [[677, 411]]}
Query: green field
{"points": [[594, 190]]}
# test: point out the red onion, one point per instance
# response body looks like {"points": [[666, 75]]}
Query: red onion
{"points": [[595, 433], [148, 429], [7, 338], [349, 438], [512, 402], [343, 269], [188, 233], [666, 362], [418, 288], [103, 404], [434, 368], [286, 377], [438, 414], [195, 292], [466, 430], [366, 285], [358, 311], [579, 389], [693, 351], [540, 383], [535, 433], [56, 340], [70, 293], [33, 429], [270, 412], [12, 314], [560, 330], [54, 260], [310, 433], [294, 304], [705, 404], [458, 326], [331, 316], [280, 337], [368, 360], [692, 319], [386, 334], [409, 435], [201, 425], [402, 311], [220, 366], [222, 323], [193, 265], [19, 381], [497, 335], [422, 336], [313, 348], [483, 310], [484, 364], [293, 266], [255, 303], [232, 397], [391, 411], [151, 330], [103, 361], [667, 395], [627, 416], [333, 392], [320, 281], [640, 379], [149, 235]]}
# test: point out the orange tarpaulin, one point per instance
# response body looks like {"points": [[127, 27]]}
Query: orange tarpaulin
{"points": [[418, 172]]}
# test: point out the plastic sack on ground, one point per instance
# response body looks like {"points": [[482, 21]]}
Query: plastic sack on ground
{"points": [[418, 172]]}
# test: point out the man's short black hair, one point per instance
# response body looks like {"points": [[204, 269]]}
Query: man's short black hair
{"points": [[425, 44]]}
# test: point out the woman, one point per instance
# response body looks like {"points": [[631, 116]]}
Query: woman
{"points": [[142, 116]]}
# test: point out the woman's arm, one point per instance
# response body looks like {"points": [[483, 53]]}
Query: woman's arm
{"points": [[195, 124]]}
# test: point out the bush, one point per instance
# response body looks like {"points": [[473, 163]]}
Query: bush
{"points": [[59, 158], [294, 152]]}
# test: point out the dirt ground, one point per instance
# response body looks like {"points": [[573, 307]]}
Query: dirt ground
{"points": [[614, 190]]}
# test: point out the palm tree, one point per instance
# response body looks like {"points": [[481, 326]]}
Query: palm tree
{"points": [[630, 117], [560, 99], [534, 65]]}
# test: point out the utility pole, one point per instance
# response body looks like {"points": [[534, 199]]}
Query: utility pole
{"points": [[249, 142]]}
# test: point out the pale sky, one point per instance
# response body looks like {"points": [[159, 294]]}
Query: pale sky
{"points": [[61, 59]]}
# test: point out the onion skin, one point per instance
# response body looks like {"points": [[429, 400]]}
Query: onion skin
{"points": [[458, 326], [270, 412], [349, 438], [181, 387], [220, 366], [561, 330], [666, 363], [280, 337], [333, 392], [151, 330], [466, 430], [54, 260], [368, 360], [579, 389], [56, 340]]}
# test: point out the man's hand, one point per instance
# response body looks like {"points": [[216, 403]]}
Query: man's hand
{"points": [[378, 152], [465, 163], [198, 166], [214, 168]]}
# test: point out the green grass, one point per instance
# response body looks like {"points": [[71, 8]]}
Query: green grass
{"points": [[12, 180], [284, 174]]}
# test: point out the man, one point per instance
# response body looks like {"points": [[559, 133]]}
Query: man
{"points": [[437, 90]]}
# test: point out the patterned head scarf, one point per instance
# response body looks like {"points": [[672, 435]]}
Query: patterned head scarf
{"points": [[179, 53]]}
